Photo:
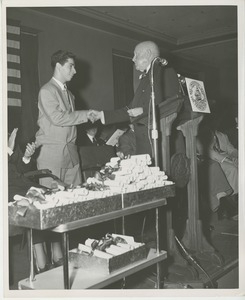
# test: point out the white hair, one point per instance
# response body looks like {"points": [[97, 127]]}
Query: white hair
{"points": [[149, 45]]}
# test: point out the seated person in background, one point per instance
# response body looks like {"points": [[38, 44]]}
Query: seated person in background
{"points": [[216, 146], [127, 143], [93, 151], [212, 183], [90, 135], [18, 164], [232, 133], [222, 151]]}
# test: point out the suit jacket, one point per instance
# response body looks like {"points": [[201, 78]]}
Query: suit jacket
{"points": [[57, 133], [127, 143], [84, 141], [166, 85]]}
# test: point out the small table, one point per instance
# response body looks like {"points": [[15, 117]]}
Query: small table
{"points": [[88, 213]]}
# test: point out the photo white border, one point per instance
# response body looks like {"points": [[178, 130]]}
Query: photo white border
{"points": [[125, 294]]}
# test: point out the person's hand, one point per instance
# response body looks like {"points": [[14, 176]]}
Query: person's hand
{"points": [[12, 137], [94, 115], [135, 112], [30, 149], [120, 154]]}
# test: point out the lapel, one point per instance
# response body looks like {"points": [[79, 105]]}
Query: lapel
{"points": [[139, 96], [62, 95]]}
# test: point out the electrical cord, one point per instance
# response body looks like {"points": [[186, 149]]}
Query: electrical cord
{"points": [[149, 126], [192, 260]]}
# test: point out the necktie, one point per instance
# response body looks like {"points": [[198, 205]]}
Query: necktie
{"points": [[68, 97], [94, 141]]}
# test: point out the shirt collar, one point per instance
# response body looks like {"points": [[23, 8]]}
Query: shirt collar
{"points": [[62, 85], [90, 137], [148, 68], [143, 74]]}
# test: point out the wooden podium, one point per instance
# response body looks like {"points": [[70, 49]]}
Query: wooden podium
{"points": [[193, 239], [168, 111]]}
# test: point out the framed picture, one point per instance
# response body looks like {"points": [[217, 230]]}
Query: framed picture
{"points": [[197, 95]]}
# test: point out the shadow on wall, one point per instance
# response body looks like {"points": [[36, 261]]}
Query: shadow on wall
{"points": [[80, 82]]}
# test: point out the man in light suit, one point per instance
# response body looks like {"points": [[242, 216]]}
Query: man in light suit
{"points": [[57, 121], [166, 85]]}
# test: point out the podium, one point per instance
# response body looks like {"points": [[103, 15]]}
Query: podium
{"points": [[168, 111], [193, 239]]}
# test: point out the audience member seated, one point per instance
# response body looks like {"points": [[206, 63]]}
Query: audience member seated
{"points": [[18, 164], [213, 187], [93, 151], [90, 135], [215, 145], [18, 183], [232, 132]]}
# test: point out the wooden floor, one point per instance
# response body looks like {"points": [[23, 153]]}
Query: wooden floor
{"points": [[223, 237]]}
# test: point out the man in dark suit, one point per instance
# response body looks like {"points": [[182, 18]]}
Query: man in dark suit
{"points": [[90, 136], [166, 85]]}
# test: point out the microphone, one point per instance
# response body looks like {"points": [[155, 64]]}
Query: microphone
{"points": [[162, 61]]}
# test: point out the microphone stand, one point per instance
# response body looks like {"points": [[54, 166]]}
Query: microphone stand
{"points": [[154, 132]]}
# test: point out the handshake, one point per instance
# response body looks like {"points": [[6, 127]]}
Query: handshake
{"points": [[95, 115]]}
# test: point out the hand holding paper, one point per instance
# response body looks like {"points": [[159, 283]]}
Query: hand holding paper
{"points": [[135, 112]]}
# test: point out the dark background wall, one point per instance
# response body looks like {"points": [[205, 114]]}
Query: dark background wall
{"points": [[93, 83]]}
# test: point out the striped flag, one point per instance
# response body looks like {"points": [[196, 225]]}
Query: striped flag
{"points": [[13, 58]]}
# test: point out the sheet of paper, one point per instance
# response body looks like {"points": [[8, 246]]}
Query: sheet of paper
{"points": [[113, 140]]}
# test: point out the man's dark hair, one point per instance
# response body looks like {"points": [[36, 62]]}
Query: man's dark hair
{"points": [[61, 57]]}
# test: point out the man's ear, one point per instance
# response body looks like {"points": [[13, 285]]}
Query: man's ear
{"points": [[148, 53], [58, 66]]}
